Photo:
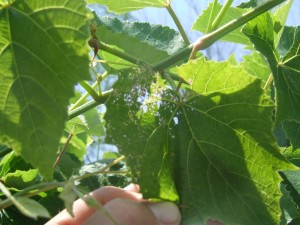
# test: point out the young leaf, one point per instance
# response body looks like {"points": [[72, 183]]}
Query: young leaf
{"points": [[20, 179], [285, 70], [213, 151], [69, 195], [149, 43], [236, 36], [31, 208], [123, 6], [43, 53]]}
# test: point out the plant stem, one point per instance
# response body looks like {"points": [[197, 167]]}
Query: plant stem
{"points": [[118, 53], [211, 17], [62, 151], [169, 79], [89, 89], [31, 191], [208, 39], [221, 14], [269, 82], [89, 105], [116, 63], [116, 161], [178, 24], [41, 187], [82, 99]]}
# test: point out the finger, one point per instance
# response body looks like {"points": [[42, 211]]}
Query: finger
{"points": [[82, 211], [127, 212], [133, 188]]}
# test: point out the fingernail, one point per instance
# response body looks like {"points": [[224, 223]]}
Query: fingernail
{"points": [[166, 212]]}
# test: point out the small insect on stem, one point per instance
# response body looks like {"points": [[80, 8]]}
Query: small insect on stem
{"points": [[94, 42]]}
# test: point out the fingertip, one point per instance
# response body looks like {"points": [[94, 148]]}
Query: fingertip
{"points": [[166, 212], [132, 187]]}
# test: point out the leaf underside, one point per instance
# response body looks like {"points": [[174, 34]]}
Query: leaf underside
{"points": [[43, 53]]}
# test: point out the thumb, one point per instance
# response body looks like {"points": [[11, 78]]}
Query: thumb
{"points": [[166, 212]]}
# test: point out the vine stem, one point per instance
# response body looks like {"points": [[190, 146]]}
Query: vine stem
{"points": [[89, 105], [208, 39], [118, 53], [177, 22], [221, 14], [42, 187], [212, 16], [62, 151], [268, 83], [82, 99]]}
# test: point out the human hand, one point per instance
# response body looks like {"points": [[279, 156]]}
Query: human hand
{"points": [[125, 206]]}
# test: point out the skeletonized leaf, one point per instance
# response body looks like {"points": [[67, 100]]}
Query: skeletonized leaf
{"points": [[213, 151]]}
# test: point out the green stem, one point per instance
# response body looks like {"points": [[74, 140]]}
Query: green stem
{"points": [[208, 39], [212, 16], [221, 15], [212, 37], [118, 53], [178, 24], [169, 79], [31, 191], [116, 161], [42, 187], [171, 60], [269, 82], [89, 105], [82, 99], [89, 89]]}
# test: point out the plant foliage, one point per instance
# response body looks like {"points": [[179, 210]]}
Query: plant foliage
{"points": [[194, 131]]}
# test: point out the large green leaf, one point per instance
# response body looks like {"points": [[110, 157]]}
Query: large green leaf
{"points": [[202, 23], [43, 53], [286, 70], [149, 43], [123, 6], [212, 151]]}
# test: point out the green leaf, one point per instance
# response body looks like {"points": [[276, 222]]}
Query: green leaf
{"points": [[21, 179], [43, 53], [149, 43], [123, 6], [31, 208], [289, 209], [236, 36], [10, 163], [293, 155], [256, 65], [285, 70], [292, 130], [291, 180], [213, 151], [69, 195]]}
